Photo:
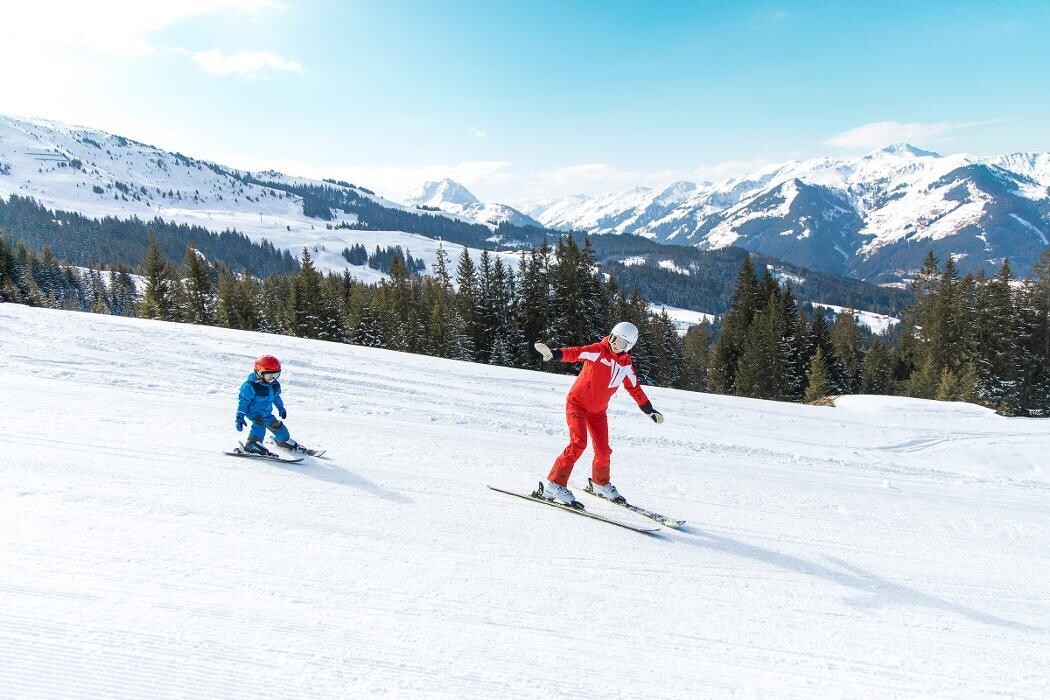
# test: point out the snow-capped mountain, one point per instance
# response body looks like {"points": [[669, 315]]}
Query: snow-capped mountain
{"points": [[874, 216], [453, 198], [623, 212], [98, 174]]}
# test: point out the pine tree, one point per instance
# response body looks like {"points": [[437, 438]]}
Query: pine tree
{"points": [[306, 305], [730, 343], [1000, 361], [695, 347], [199, 297], [122, 292], [761, 367], [532, 304], [791, 345], [925, 381], [877, 370], [662, 340], [161, 297], [845, 340], [1039, 343], [485, 320], [820, 339], [819, 384], [467, 299]]}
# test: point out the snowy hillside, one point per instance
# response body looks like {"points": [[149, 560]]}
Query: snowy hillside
{"points": [[453, 198], [883, 548], [98, 174], [874, 216]]}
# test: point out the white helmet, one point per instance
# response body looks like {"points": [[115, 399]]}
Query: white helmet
{"points": [[623, 336]]}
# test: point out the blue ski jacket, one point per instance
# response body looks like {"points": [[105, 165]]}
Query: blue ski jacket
{"points": [[257, 398]]}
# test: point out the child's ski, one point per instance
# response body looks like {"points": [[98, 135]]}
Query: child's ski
{"points": [[269, 456], [536, 499], [662, 519], [304, 450]]}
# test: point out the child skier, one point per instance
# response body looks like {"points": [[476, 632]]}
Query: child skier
{"points": [[607, 365], [259, 394]]}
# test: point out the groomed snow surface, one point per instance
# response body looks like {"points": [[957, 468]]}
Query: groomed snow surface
{"points": [[882, 548]]}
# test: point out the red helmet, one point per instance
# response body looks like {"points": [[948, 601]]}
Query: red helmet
{"points": [[267, 363]]}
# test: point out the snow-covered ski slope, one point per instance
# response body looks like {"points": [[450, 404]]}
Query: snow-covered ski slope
{"points": [[883, 548]]}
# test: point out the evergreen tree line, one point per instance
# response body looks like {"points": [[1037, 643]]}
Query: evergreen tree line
{"points": [[40, 280], [84, 241], [484, 310], [382, 259], [979, 339], [707, 277], [973, 338]]}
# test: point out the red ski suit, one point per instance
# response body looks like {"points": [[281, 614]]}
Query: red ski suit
{"points": [[602, 374]]}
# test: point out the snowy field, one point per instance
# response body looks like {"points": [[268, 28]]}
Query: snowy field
{"points": [[684, 319], [882, 548], [876, 323]]}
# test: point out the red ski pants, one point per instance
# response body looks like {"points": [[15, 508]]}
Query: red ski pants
{"points": [[580, 423]]}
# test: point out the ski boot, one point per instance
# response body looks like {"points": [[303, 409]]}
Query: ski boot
{"points": [[293, 446], [255, 447], [608, 492], [559, 494]]}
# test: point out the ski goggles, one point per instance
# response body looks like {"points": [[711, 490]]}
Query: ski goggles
{"points": [[269, 376], [618, 344]]}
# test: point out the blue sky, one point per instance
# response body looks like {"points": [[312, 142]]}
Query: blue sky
{"points": [[526, 100]]}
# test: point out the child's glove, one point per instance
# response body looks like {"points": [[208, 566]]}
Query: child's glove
{"points": [[282, 413], [542, 349], [240, 423]]}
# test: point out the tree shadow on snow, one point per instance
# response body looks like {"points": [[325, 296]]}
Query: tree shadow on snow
{"points": [[876, 592], [325, 471]]}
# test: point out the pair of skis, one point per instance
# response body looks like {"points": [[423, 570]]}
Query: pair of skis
{"points": [[578, 509], [241, 451]]}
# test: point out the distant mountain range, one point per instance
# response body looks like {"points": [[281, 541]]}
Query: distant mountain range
{"points": [[873, 217], [812, 222]]}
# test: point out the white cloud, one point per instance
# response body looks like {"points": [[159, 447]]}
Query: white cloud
{"points": [[72, 43], [478, 133], [878, 134], [109, 27], [245, 63]]}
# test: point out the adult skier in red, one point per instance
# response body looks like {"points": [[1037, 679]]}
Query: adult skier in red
{"points": [[606, 365]]}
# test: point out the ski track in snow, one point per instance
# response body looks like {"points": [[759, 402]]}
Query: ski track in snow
{"points": [[884, 548]]}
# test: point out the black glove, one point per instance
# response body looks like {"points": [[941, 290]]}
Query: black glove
{"points": [[281, 412], [240, 422], [648, 410]]}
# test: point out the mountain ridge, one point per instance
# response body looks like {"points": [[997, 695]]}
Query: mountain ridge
{"points": [[896, 203]]}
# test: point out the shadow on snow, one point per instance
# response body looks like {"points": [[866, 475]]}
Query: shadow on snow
{"points": [[877, 592]]}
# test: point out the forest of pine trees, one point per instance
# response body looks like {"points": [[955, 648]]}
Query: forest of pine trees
{"points": [[979, 339], [974, 338]]}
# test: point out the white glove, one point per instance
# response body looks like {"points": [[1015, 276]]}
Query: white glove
{"points": [[542, 349], [657, 417]]}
